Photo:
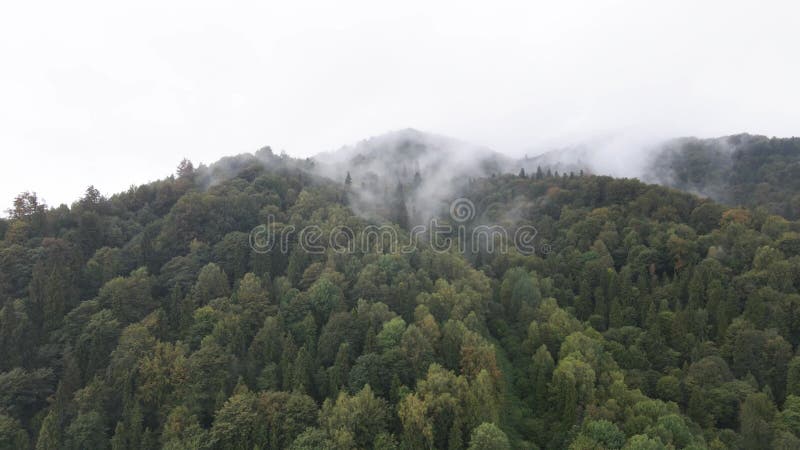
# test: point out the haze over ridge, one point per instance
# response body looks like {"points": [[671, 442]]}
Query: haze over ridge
{"points": [[116, 95]]}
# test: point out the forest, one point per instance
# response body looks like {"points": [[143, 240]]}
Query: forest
{"points": [[741, 169], [657, 319]]}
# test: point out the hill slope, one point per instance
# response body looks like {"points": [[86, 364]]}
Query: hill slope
{"points": [[637, 316], [747, 170], [753, 171]]}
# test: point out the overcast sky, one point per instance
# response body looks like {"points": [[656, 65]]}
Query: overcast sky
{"points": [[111, 95]]}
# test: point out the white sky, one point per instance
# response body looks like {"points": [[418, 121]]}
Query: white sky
{"points": [[112, 95]]}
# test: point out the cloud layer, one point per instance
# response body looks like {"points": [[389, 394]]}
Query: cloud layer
{"points": [[114, 95]]}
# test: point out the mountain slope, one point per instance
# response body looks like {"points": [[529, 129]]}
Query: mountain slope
{"points": [[428, 168], [747, 170], [636, 316], [753, 171]]}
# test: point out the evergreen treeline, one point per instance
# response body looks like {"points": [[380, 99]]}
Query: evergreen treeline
{"points": [[656, 320]]}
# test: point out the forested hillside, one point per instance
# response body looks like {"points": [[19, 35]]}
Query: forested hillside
{"points": [[647, 319], [738, 170]]}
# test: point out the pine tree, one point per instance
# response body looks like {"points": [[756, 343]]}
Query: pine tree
{"points": [[301, 379], [91, 198], [340, 369], [541, 371], [185, 169]]}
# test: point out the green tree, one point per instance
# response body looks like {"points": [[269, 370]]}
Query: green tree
{"points": [[793, 377], [236, 424], [88, 430], [541, 373], [362, 415], [338, 374], [182, 431], [211, 283], [131, 298], [50, 435], [12, 435], [209, 375], [54, 284], [96, 341], [757, 414], [572, 387], [487, 436], [599, 434], [286, 416]]}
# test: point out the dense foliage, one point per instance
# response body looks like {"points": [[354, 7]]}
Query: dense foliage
{"points": [[739, 170], [145, 320]]}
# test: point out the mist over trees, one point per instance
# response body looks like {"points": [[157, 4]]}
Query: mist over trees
{"points": [[739, 170], [752, 171], [648, 319]]}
